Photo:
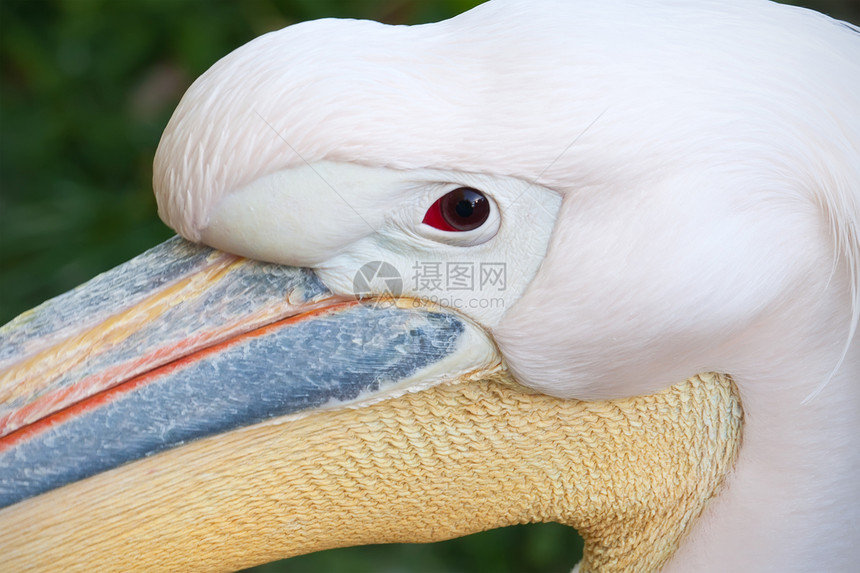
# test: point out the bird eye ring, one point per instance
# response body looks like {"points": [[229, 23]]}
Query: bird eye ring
{"points": [[460, 210]]}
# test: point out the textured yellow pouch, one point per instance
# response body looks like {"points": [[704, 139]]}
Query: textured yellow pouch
{"points": [[631, 475]]}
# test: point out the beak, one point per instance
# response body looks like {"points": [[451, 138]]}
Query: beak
{"points": [[185, 342], [193, 410]]}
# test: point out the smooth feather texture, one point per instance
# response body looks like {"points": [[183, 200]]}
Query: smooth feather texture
{"points": [[708, 158], [695, 108]]}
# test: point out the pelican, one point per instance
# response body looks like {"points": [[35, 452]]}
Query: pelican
{"points": [[593, 263]]}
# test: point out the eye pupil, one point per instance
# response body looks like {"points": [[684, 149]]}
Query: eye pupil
{"points": [[463, 209]]}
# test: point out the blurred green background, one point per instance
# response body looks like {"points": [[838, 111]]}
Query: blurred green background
{"points": [[86, 87]]}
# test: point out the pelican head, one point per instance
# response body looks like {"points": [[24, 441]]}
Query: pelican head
{"points": [[594, 263]]}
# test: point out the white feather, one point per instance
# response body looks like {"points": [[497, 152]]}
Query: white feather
{"points": [[707, 153]]}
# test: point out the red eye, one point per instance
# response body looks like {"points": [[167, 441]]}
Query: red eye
{"points": [[462, 209]]}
